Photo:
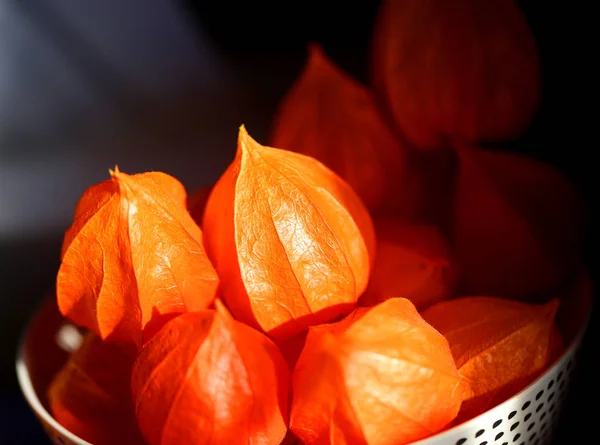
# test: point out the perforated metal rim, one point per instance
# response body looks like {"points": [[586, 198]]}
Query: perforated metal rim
{"points": [[529, 417]]}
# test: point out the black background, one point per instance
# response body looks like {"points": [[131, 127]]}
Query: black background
{"points": [[273, 38]]}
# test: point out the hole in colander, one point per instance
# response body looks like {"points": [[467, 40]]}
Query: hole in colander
{"points": [[514, 426], [516, 437], [539, 394], [532, 436], [543, 415], [531, 425], [559, 376], [536, 441], [512, 414], [539, 407], [504, 443], [461, 441], [479, 433], [499, 435], [543, 427], [551, 384], [561, 385], [526, 405], [483, 443], [527, 417], [569, 365], [497, 423], [550, 396]]}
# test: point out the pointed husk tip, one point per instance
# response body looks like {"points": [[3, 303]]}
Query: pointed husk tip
{"points": [[114, 172], [315, 49], [245, 141]]}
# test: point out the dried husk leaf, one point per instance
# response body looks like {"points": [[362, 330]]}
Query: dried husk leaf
{"points": [[464, 70], [412, 261], [205, 378], [331, 117], [381, 376], [90, 395], [291, 241], [519, 225], [499, 345], [132, 258]]}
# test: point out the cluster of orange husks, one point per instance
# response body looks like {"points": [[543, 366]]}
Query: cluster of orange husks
{"points": [[375, 279]]}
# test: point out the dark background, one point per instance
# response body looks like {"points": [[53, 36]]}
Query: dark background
{"points": [[255, 53]]}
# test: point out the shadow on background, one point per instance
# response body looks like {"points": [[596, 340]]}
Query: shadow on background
{"points": [[191, 134]]}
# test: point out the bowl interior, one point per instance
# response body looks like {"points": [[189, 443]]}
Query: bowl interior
{"points": [[43, 351]]}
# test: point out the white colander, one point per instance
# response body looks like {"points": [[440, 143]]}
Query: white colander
{"points": [[528, 418]]}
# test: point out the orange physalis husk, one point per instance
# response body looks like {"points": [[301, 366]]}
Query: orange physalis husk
{"points": [[499, 345], [333, 118], [427, 192], [90, 396], [461, 70], [207, 378], [291, 241], [381, 376], [412, 261], [291, 348], [197, 203], [132, 258], [291, 439], [519, 225]]}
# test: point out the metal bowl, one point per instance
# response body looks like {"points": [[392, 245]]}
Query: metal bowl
{"points": [[530, 417]]}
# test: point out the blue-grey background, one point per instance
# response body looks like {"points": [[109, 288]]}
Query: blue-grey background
{"points": [[159, 84]]}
